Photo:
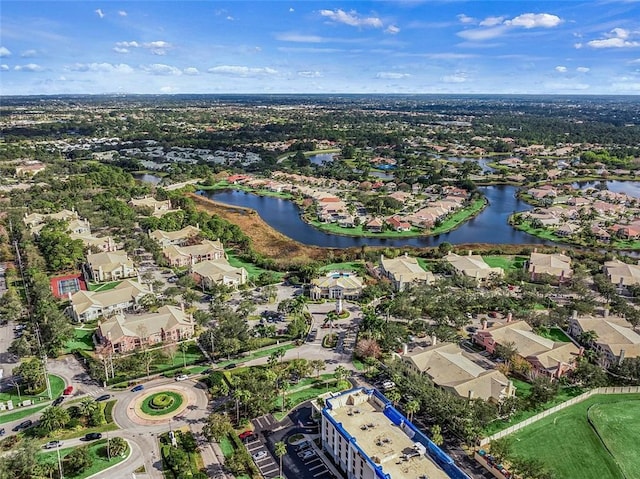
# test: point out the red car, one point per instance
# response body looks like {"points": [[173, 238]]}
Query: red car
{"points": [[67, 391], [245, 434]]}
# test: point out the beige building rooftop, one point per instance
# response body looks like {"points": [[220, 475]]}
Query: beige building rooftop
{"points": [[386, 444]]}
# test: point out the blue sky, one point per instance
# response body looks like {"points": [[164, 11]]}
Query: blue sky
{"points": [[298, 46]]}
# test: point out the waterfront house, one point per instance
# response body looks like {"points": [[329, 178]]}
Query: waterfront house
{"points": [[375, 225], [397, 224], [404, 270], [473, 266]]}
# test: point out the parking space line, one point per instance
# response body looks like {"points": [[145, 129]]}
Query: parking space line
{"points": [[321, 473], [316, 466]]}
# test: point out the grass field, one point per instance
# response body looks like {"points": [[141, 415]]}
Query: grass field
{"points": [[97, 452], [82, 340], [103, 286], [253, 270], [505, 262], [570, 446], [357, 266], [555, 334], [57, 386]]}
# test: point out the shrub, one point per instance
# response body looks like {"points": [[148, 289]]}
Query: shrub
{"points": [[161, 401]]}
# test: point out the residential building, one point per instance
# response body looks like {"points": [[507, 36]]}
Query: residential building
{"points": [[397, 224], [375, 225], [546, 356], [126, 333], [90, 305], [473, 266], [157, 207], [367, 438], [102, 243], [622, 274], [35, 221], [337, 285], [178, 256], [451, 368], [218, 271], [615, 338], [556, 265], [404, 270], [180, 237], [110, 266]]}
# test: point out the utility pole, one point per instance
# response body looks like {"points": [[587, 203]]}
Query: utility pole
{"points": [[59, 462]]}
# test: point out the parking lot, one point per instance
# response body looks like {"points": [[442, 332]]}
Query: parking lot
{"points": [[262, 457]]}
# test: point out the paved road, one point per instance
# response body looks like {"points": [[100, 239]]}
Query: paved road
{"points": [[7, 361]]}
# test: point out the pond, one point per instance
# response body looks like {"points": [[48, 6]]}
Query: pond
{"points": [[490, 226], [147, 178]]}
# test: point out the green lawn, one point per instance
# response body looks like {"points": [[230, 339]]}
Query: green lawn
{"points": [[459, 217], [359, 230], [255, 355], [555, 334], [426, 265], [20, 413], [569, 445], [505, 262], [57, 386], [102, 286], [226, 446], [357, 266], [253, 270], [174, 401], [305, 394], [82, 340], [97, 451], [191, 356]]}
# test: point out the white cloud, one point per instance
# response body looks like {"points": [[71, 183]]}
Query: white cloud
{"points": [[392, 29], [309, 74], [566, 86], [168, 89], [497, 26], [242, 71], [351, 18], [583, 69], [191, 71], [455, 78], [561, 69], [291, 10], [230, 18], [392, 75], [100, 13], [462, 18], [122, 13], [4, 68], [161, 69], [626, 86], [158, 47], [578, 45], [29, 53], [535, 20], [4, 52], [120, 50], [100, 67], [616, 38], [295, 37], [491, 21], [128, 44], [29, 67]]}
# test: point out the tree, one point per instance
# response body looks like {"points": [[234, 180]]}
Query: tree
{"points": [[217, 426], [587, 338], [20, 464], [394, 396], [436, 435], [368, 348], [501, 449], [280, 449], [117, 446], [318, 365], [184, 347], [87, 406], [543, 389], [53, 418], [341, 373], [297, 328], [506, 351], [411, 408], [31, 374], [77, 461]]}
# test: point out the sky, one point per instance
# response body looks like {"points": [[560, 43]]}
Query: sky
{"points": [[299, 46]]}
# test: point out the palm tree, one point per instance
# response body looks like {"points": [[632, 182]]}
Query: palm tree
{"points": [[318, 365], [47, 469], [436, 435], [117, 446], [412, 408], [341, 373], [184, 347], [284, 387], [280, 450], [587, 338], [54, 417], [394, 396], [87, 406], [330, 318]]}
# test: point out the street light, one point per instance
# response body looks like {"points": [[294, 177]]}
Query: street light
{"points": [[59, 462]]}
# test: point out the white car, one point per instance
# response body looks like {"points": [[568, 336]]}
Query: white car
{"points": [[260, 455], [182, 377], [52, 444]]}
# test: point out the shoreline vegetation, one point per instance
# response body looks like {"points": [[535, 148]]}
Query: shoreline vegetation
{"points": [[451, 223]]}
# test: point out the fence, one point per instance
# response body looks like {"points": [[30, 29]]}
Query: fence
{"points": [[559, 407]]}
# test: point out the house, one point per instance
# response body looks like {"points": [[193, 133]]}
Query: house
{"points": [[397, 224], [180, 237], [567, 229], [555, 265], [103, 243], [90, 305], [337, 285], [110, 266], [622, 274], [615, 338], [178, 256], [366, 437], [451, 368], [404, 270], [218, 271], [548, 357], [35, 221], [126, 333], [374, 226], [473, 266], [157, 207]]}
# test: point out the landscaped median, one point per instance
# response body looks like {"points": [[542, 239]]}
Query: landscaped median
{"points": [[94, 459]]}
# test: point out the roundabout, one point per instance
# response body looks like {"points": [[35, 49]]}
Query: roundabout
{"points": [[160, 403]]}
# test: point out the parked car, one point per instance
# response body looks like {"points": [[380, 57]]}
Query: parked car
{"points": [[137, 388], [104, 397], [52, 444], [92, 436], [23, 425], [230, 366], [67, 391], [57, 401], [493, 314], [260, 455], [2, 431], [245, 434], [182, 377]]}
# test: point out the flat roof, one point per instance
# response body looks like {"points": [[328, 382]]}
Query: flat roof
{"points": [[385, 443]]}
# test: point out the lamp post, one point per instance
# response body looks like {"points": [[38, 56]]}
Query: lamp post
{"points": [[59, 462]]}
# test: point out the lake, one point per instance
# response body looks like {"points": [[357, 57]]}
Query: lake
{"points": [[147, 178], [490, 226]]}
